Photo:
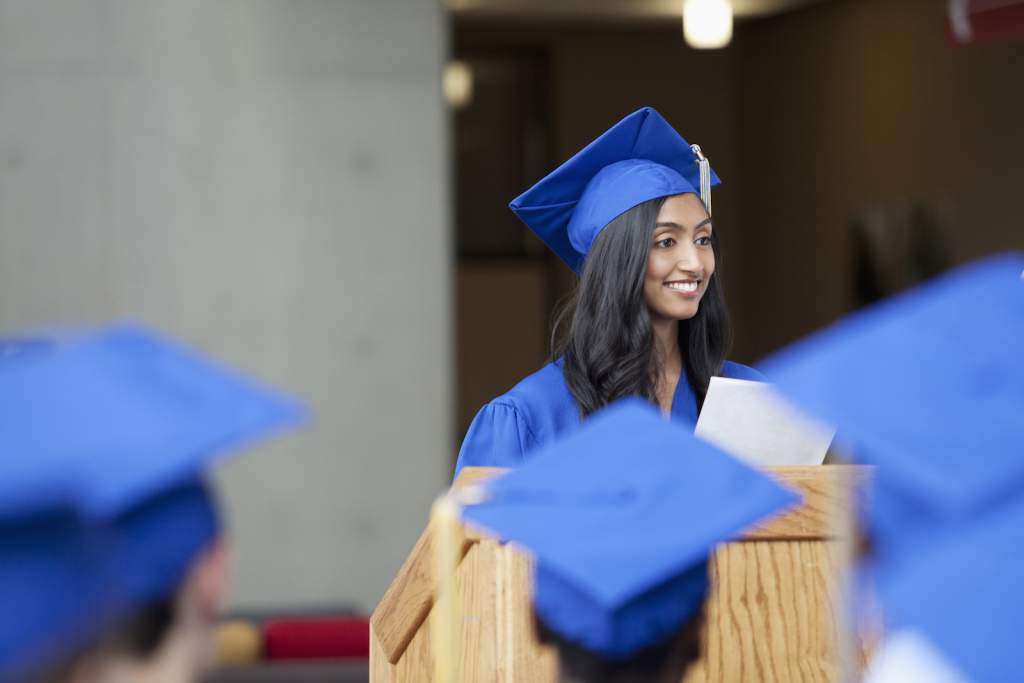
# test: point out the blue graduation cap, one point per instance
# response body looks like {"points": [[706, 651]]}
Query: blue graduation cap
{"points": [[122, 413], [929, 386], [15, 347], [639, 158], [621, 517], [965, 595], [118, 427]]}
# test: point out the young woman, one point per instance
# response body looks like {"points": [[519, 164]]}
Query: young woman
{"points": [[630, 214]]}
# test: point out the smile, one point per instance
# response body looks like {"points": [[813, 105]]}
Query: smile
{"points": [[684, 286]]}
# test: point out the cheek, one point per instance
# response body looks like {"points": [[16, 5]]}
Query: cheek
{"points": [[708, 261], [652, 282], [652, 266], [658, 267]]}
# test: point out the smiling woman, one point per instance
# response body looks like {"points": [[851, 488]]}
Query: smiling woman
{"points": [[648, 311], [648, 317]]}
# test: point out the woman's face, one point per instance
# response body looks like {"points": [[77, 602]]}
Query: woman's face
{"points": [[681, 261]]}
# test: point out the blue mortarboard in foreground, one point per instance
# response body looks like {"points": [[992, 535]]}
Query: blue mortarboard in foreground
{"points": [[17, 347], [965, 595], [929, 386], [639, 158], [122, 413], [117, 428], [621, 517]]}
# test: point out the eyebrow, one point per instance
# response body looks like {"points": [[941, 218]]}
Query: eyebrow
{"points": [[671, 224]]}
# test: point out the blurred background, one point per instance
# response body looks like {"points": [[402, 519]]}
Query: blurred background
{"points": [[316, 191]]}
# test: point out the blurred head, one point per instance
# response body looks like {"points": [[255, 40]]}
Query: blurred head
{"points": [[176, 572], [184, 620], [657, 261], [664, 662]]}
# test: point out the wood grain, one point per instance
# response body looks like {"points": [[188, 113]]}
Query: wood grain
{"points": [[381, 669], [522, 656], [825, 508], [771, 615], [407, 601]]}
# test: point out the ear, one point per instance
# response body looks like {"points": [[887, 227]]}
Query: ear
{"points": [[210, 580]]}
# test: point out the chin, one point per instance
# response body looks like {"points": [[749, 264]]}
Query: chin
{"points": [[681, 312]]}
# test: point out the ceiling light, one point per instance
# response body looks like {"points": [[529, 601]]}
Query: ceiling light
{"points": [[707, 24], [457, 83]]}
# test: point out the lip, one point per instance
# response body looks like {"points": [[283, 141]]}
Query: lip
{"points": [[685, 295]]}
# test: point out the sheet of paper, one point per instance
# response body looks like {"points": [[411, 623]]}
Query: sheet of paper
{"points": [[752, 422]]}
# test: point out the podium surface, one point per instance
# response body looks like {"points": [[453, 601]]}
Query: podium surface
{"points": [[772, 612]]}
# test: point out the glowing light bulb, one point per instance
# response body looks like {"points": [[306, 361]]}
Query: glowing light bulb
{"points": [[457, 83], [707, 24]]}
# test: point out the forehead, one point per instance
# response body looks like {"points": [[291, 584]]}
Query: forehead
{"points": [[685, 209]]}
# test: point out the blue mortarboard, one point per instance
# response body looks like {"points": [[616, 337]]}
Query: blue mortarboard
{"points": [[639, 158], [621, 517], [121, 414], [965, 595], [56, 588], [17, 347], [928, 385]]}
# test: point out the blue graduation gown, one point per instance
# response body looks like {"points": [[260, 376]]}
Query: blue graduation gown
{"points": [[538, 409]]}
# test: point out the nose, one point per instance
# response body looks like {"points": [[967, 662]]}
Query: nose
{"points": [[688, 262]]}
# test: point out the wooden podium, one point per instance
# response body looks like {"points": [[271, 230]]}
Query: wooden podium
{"points": [[772, 613]]}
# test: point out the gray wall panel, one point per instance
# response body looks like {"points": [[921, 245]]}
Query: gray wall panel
{"points": [[268, 180]]}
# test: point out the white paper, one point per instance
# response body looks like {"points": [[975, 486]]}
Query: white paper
{"points": [[752, 422]]}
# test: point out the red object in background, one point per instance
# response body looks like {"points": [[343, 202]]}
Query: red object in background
{"points": [[981, 21], [317, 638]]}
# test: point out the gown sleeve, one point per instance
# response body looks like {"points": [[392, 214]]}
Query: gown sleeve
{"points": [[497, 437]]}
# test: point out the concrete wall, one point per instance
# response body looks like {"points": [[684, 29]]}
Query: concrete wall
{"points": [[268, 180]]}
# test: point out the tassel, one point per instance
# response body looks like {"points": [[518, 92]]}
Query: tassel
{"points": [[705, 177]]}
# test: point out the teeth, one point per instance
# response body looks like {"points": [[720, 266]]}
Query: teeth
{"points": [[683, 286]]}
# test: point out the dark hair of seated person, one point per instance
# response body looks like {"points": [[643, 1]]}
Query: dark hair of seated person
{"points": [[664, 662], [140, 634]]}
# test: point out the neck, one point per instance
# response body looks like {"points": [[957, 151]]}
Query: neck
{"points": [[173, 662], [666, 346], [668, 361]]}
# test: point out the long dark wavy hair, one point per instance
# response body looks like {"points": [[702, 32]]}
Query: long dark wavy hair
{"points": [[608, 346]]}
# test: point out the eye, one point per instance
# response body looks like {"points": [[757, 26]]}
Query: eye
{"points": [[704, 241], [666, 243]]}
